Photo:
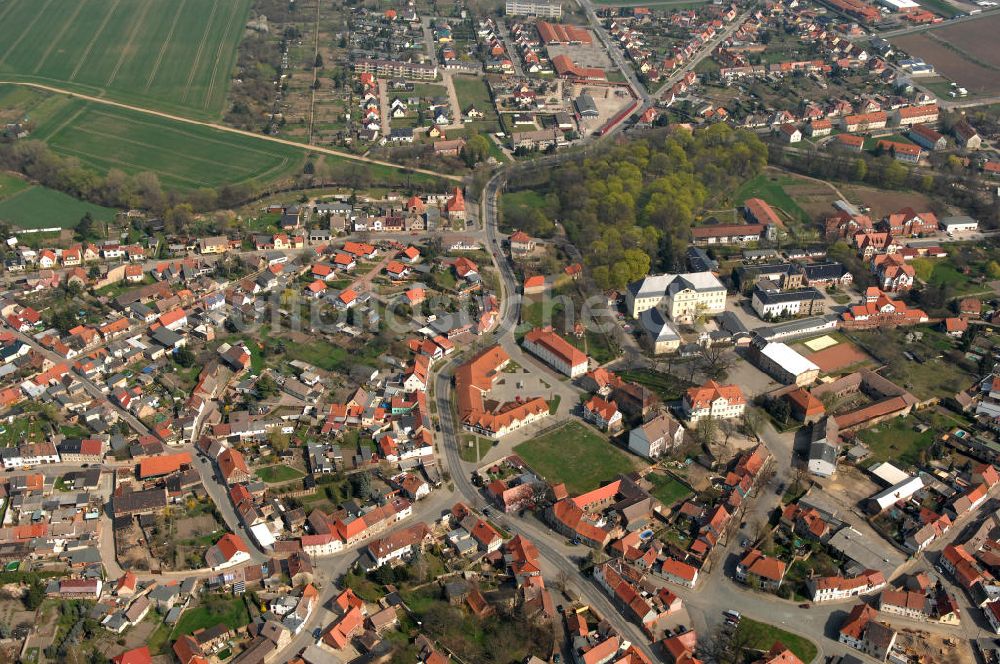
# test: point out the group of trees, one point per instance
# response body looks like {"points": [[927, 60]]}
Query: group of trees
{"points": [[630, 207]]}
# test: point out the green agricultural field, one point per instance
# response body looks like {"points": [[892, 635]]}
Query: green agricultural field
{"points": [[576, 455], [11, 184], [39, 207], [174, 56], [183, 156]]}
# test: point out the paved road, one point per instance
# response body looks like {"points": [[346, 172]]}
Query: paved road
{"points": [[90, 386], [233, 130]]}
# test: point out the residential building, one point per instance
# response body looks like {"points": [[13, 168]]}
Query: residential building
{"points": [[602, 414], [720, 402], [539, 8], [756, 569], [656, 437]]}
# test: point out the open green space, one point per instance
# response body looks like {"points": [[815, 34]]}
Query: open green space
{"points": [[212, 611], [11, 184], [576, 455], [175, 56], [473, 91], [942, 272], [22, 430], [761, 636], [183, 156], [515, 203], [667, 490], [897, 440], [771, 189], [667, 386], [278, 473], [41, 207], [473, 448]]}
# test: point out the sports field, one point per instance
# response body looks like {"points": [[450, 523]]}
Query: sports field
{"points": [[27, 206], [175, 55], [183, 156]]}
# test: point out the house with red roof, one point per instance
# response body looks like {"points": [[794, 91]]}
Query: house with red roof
{"points": [[758, 570], [138, 655], [397, 271], [233, 466], [602, 414], [454, 207], [720, 402], [230, 550], [555, 351]]}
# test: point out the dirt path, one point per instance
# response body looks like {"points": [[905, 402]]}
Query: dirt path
{"points": [[232, 130]]}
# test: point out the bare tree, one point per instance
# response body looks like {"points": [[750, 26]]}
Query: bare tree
{"points": [[726, 645], [715, 362]]}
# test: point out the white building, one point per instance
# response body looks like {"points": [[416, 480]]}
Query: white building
{"points": [[555, 351], [656, 437], [321, 545], [682, 297], [720, 402], [540, 8], [897, 492], [960, 224]]}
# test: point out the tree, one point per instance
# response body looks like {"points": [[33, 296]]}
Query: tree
{"points": [[318, 64], [85, 229], [475, 150], [361, 484], [266, 387], [185, 357], [715, 362], [705, 432], [34, 595], [278, 440]]}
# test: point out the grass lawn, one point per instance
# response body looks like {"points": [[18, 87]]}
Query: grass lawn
{"points": [[667, 386], [576, 455], [667, 489], [40, 207], [771, 189], [936, 272], [423, 90], [554, 404], [762, 636], [319, 353], [472, 91], [278, 473], [479, 448], [897, 440], [233, 613], [22, 430], [517, 201], [175, 56]]}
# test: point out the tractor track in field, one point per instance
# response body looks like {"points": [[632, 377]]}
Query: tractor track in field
{"points": [[197, 55], [93, 40]]}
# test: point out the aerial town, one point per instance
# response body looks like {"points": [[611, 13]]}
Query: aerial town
{"points": [[500, 332]]}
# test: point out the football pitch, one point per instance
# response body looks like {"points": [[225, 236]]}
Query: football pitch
{"points": [[174, 55]]}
